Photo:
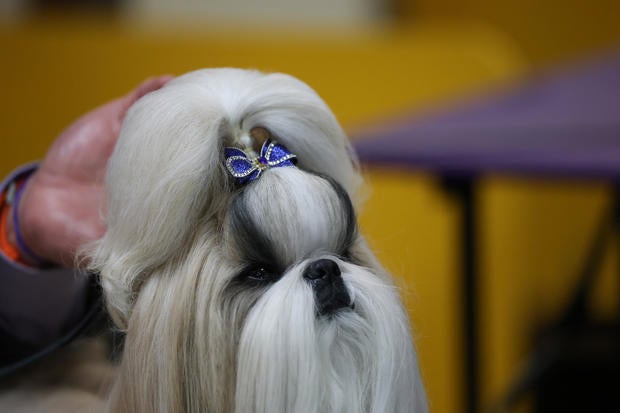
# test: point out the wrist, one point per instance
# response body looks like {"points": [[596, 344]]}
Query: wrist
{"points": [[8, 244], [18, 227], [11, 239]]}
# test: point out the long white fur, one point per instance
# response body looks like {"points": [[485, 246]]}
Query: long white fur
{"points": [[166, 262], [360, 361]]}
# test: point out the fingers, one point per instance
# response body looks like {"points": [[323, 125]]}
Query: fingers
{"points": [[116, 110], [149, 85]]}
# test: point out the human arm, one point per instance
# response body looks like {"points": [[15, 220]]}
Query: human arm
{"points": [[59, 211]]}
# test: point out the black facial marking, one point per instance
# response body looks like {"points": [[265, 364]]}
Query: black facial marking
{"points": [[348, 236], [251, 241]]}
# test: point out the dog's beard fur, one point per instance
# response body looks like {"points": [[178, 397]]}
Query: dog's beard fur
{"points": [[210, 280]]}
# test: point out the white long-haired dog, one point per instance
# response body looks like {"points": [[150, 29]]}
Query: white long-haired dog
{"points": [[242, 281]]}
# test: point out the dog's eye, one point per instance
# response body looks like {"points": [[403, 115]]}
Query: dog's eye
{"points": [[259, 275]]}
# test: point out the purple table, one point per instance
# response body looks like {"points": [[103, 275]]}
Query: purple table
{"points": [[563, 123]]}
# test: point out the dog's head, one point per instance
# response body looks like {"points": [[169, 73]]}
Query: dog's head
{"points": [[261, 296]]}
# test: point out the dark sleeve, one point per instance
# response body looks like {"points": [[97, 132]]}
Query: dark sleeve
{"points": [[37, 307]]}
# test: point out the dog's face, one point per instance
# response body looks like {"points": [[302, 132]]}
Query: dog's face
{"points": [[321, 329], [260, 297], [291, 222]]}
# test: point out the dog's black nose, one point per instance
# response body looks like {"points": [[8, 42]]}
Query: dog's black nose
{"points": [[322, 269], [330, 293]]}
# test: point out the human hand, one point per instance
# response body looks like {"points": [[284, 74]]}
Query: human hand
{"points": [[60, 208]]}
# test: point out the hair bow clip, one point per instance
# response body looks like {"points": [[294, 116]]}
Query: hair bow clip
{"points": [[246, 168]]}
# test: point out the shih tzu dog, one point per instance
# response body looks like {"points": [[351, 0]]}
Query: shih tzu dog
{"points": [[234, 263]]}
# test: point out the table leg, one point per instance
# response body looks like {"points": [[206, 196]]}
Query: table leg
{"points": [[616, 224], [463, 189]]}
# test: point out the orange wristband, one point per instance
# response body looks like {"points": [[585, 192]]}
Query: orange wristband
{"points": [[6, 246]]}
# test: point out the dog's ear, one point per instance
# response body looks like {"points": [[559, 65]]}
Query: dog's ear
{"points": [[165, 178]]}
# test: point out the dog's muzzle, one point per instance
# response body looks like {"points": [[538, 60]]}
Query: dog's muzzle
{"points": [[330, 293]]}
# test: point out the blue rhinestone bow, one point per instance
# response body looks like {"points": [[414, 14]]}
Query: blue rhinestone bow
{"points": [[246, 169]]}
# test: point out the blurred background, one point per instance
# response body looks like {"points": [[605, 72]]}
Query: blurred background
{"points": [[373, 62]]}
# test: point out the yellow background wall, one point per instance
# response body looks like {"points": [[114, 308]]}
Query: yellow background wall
{"points": [[545, 30], [533, 234]]}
